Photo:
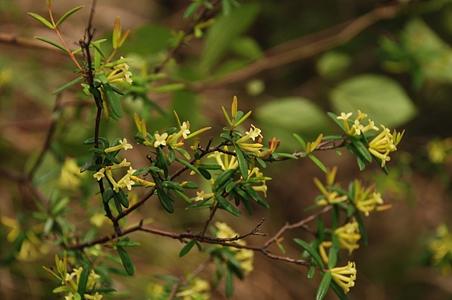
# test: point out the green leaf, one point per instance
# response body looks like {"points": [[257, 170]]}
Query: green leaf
{"points": [[114, 102], [226, 29], [41, 19], [362, 150], [332, 64], [67, 85], [186, 249], [193, 168], [243, 164], [323, 287], [223, 179], [223, 203], [318, 163], [148, 39], [126, 261], [311, 272], [338, 291], [229, 284], [68, 14], [165, 200], [382, 98], [300, 140], [55, 44], [311, 251], [83, 281]]}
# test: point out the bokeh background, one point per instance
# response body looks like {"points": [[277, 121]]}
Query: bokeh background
{"points": [[288, 61]]}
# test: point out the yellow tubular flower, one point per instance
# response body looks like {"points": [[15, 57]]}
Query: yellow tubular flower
{"points": [[345, 276], [123, 145], [366, 199], [198, 289], [259, 179], [311, 146], [349, 236], [224, 160], [329, 197], [385, 143], [120, 73], [322, 250]]}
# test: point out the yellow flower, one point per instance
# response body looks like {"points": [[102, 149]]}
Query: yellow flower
{"points": [[311, 146], [160, 140], [98, 219], [185, 129], [123, 145], [345, 276], [441, 247], [357, 128], [244, 256], [201, 195], [224, 160], [385, 143], [329, 196], [259, 180], [197, 289], [120, 73], [70, 174], [349, 236], [367, 200], [99, 174], [254, 133]]}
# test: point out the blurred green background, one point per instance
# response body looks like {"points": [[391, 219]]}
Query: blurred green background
{"points": [[288, 61]]}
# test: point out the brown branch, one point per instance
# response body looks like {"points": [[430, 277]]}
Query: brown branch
{"points": [[298, 224], [49, 137], [304, 47]]}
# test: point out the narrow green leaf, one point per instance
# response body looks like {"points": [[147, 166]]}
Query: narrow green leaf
{"points": [[227, 206], [362, 150], [114, 102], [318, 163], [193, 168], [55, 44], [300, 140], [83, 281], [41, 19], [229, 285], [126, 261], [67, 85], [243, 164], [165, 200], [311, 272], [312, 252], [323, 287], [68, 14], [186, 249], [338, 291]]}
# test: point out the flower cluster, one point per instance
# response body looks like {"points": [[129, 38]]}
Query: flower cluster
{"points": [[70, 280], [344, 276], [31, 247], [70, 174], [120, 73], [441, 248], [356, 127], [243, 256], [385, 143], [439, 150], [367, 199], [196, 289], [329, 194]]}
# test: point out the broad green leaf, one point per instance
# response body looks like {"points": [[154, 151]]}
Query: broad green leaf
{"points": [[381, 97], [324, 286], [226, 28], [126, 261], [148, 40], [186, 249], [68, 14], [54, 44], [41, 19]]}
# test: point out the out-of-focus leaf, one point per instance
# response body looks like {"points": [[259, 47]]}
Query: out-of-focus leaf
{"points": [[126, 261], [247, 48], [332, 64], [147, 40], [381, 97], [225, 29]]}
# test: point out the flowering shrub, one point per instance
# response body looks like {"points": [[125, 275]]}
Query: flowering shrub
{"points": [[211, 168]]}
